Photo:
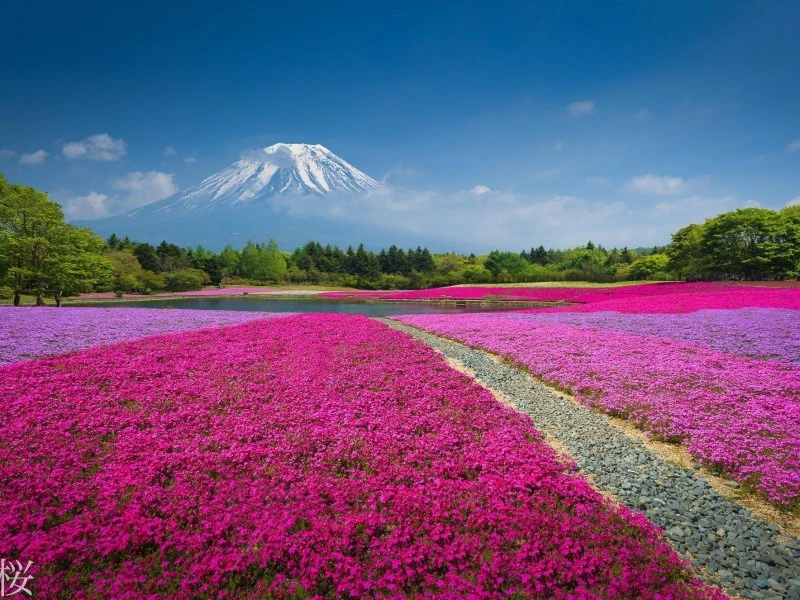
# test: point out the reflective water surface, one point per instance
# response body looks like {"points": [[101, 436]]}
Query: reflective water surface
{"points": [[274, 304]]}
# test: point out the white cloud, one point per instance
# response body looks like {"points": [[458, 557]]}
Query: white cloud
{"points": [[479, 218], [170, 151], [400, 175], [549, 173], [793, 146], [583, 107], [190, 159], [693, 209], [794, 202], [100, 146], [4, 154], [34, 158], [480, 190], [90, 206], [144, 188], [657, 185], [135, 189]]}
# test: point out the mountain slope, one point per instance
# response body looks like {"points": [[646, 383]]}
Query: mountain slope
{"points": [[280, 169], [256, 198]]}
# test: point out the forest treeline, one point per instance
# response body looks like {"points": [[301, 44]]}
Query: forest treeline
{"points": [[42, 255]]}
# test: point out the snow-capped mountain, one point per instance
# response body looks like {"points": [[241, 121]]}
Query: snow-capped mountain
{"points": [[280, 169], [258, 197]]}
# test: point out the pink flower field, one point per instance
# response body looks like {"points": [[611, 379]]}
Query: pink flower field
{"points": [[650, 297], [30, 332], [733, 412], [771, 333], [313, 456]]}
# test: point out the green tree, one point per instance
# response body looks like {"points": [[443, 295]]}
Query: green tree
{"points": [[366, 265], [41, 252], [129, 276], [508, 262], [274, 262], [229, 261], [264, 263], [75, 263], [653, 266], [477, 274], [742, 243], [686, 258], [147, 257], [787, 258], [185, 280]]}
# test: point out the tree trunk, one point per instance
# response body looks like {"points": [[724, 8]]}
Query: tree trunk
{"points": [[39, 298], [17, 296], [57, 298]]}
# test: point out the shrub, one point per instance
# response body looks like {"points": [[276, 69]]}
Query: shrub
{"points": [[186, 280]]}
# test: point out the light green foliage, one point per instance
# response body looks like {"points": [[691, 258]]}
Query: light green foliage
{"points": [[449, 263], [509, 263], [129, 276], [477, 274], [652, 267], [42, 254], [186, 280], [685, 254], [789, 235], [75, 263], [262, 262], [744, 243]]}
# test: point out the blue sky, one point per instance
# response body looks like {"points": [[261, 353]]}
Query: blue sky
{"points": [[639, 116]]}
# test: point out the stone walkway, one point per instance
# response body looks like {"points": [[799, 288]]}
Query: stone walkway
{"points": [[730, 546]]}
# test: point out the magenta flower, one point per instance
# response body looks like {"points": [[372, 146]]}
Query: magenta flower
{"points": [[325, 456]]}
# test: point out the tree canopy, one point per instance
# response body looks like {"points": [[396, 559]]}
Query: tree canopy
{"points": [[40, 252]]}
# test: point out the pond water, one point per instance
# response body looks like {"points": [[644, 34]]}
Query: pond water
{"points": [[273, 304]]}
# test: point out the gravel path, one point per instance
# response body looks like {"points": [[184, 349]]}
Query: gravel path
{"points": [[744, 555]]}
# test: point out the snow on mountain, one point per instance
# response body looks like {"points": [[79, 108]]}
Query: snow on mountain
{"points": [[280, 169]]}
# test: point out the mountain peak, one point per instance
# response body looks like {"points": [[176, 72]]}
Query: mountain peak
{"points": [[278, 170], [295, 149]]}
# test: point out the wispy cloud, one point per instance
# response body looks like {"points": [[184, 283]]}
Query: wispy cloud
{"points": [[170, 151], [794, 202], [657, 185], [580, 108], [480, 190], [91, 206], [100, 146], [144, 188], [190, 159], [33, 159], [135, 189], [493, 218], [400, 175], [5, 154], [793, 146], [692, 209]]}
